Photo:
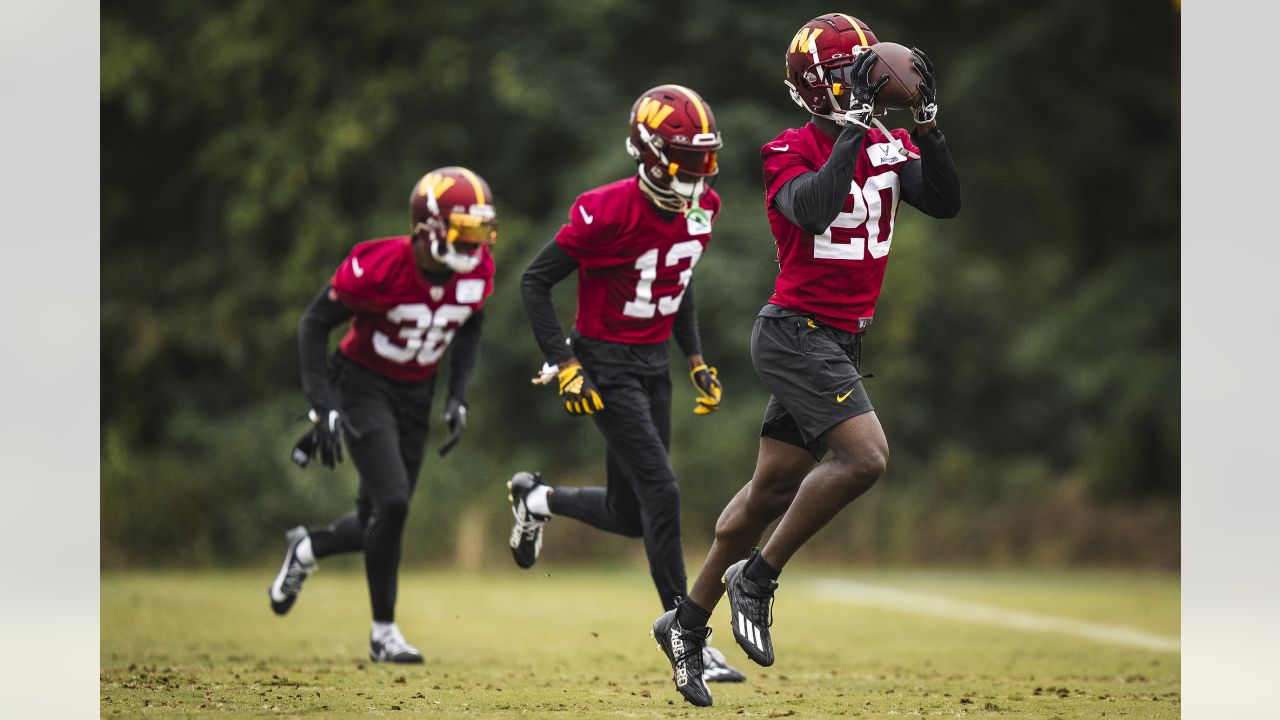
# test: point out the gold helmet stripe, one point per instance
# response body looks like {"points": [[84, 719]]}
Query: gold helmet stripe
{"points": [[693, 98], [862, 37], [475, 183]]}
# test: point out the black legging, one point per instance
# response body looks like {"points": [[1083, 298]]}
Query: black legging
{"points": [[392, 419], [641, 498]]}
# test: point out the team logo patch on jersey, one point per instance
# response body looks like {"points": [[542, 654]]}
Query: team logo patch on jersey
{"points": [[436, 293], [884, 154], [698, 221], [470, 291]]}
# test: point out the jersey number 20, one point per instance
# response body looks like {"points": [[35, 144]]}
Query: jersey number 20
{"points": [[867, 207]]}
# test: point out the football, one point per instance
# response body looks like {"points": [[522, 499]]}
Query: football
{"points": [[901, 92]]}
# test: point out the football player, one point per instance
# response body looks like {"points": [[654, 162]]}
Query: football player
{"points": [[408, 298], [832, 190], [633, 244]]}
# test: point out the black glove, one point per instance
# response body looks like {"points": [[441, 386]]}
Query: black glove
{"points": [[862, 90], [325, 438], [580, 395], [927, 109], [707, 382], [455, 416]]}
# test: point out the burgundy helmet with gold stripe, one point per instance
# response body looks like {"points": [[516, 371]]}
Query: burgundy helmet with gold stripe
{"points": [[451, 209], [673, 136], [822, 46]]}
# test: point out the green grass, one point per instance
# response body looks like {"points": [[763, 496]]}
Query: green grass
{"points": [[574, 643]]}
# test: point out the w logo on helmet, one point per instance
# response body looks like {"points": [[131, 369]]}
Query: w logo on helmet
{"points": [[652, 112], [800, 43]]}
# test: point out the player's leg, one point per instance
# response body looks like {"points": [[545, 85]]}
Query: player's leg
{"points": [[811, 371], [860, 452], [613, 508], [780, 468]]}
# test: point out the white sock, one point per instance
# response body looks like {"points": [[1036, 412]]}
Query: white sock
{"points": [[536, 500], [304, 552], [382, 629]]}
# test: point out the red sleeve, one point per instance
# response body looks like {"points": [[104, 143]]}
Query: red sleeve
{"points": [[587, 237], [357, 282], [782, 162]]}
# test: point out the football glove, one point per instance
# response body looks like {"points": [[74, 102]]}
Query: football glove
{"points": [[927, 110], [707, 382], [455, 416], [862, 90], [328, 431], [580, 395]]}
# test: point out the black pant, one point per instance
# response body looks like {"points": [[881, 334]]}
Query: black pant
{"points": [[641, 498], [392, 419]]}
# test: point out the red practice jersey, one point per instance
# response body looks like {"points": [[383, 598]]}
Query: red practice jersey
{"points": [[836, 276], [402, 322], [633, 265]]}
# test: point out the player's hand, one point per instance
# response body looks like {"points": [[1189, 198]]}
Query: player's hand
{"points": [[455, 416], [579, 394], [862, 89], [325, 438], [927, 109], [707, 382]]}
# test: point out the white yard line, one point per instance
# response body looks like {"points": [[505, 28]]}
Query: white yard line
{"points": [[887, 598]]}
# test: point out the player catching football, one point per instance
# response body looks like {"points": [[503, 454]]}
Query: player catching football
{"points": [[633, 244], [831, 192], [407, 298]]}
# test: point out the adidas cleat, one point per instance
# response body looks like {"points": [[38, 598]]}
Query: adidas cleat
{"points": [[393, 648], [526, 535], [716, 669], [684, 650], [751, 608], [288, 582]]}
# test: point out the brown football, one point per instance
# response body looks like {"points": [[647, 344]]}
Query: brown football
{"points": [[902, 91]]}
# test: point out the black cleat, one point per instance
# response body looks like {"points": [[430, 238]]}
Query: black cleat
{"points": [[716, 669], [526, 536], [393, 648], [751, 609], [288, 583], [684, 650]]}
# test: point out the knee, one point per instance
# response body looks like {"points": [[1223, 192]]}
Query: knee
{"points": [[663, 501], [865, 468], [393, 508]]}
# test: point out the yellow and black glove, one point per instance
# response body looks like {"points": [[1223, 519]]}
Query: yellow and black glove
{"points": [[707, 382], [580, 396]]}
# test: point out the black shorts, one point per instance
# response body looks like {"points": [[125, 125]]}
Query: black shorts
{"points": [[811, 369]]}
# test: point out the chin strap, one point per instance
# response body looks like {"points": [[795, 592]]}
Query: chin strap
{"points": [[902, 150]]}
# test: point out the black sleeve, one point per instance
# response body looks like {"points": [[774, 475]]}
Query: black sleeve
{"points": [[931, 184], [464, 351], [686, 324], [321, 317], [813, 200], [551, 266]]}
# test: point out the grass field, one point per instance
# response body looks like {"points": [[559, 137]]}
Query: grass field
{"points": [[574, 643]]}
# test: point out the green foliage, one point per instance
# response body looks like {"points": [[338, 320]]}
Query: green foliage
{"points": [[247, 146]]}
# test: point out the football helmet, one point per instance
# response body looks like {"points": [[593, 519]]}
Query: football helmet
{"points": [[819, 60], [451, 209], [674, 139]]}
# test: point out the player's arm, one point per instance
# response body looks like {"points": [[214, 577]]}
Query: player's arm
{"points": [[703, 376], [325, 438], [320, 318], [550, 266], [813, 200], [930, 184], [464, 352]]}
